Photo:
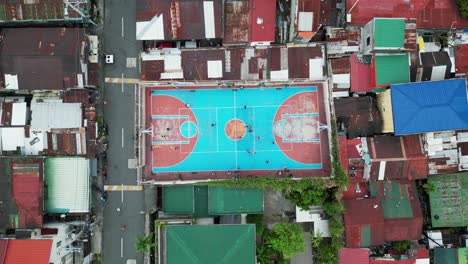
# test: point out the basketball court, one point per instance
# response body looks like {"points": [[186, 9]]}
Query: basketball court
{"points": [[252, 129]]}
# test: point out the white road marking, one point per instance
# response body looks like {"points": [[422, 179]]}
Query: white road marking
{"points": [[121, 247], [122, 27], [122, 137]]}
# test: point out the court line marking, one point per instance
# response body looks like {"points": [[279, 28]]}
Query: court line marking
{"points": [[122, 137], [169, 116], [122, 194], [122, 82], [217, 134], [235, 131], [118, 188]]}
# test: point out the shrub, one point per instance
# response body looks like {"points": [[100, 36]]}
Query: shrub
{"points": [[287, 238]]}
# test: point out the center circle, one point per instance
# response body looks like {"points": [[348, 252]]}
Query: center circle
{"points": [[235, 129], [188, 129]]}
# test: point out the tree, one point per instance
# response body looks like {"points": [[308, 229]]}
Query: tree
{"points": [[287, 238], [143, 244], [463, 7], [401, 245], [308, 197]]}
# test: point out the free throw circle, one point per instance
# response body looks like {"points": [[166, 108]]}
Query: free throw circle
{"points": [[188, 129]]}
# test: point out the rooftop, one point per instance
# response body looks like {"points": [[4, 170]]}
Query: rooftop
{"points": [[390, 69], [21, 193], [227, 244], [20, 251], [449, 200], [389, 33], [425, 106], [354, 256], [18, 11]]}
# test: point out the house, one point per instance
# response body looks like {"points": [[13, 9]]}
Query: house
{"points": [[461, 59], [61, 49], [21, 193], [68, 185], [447, 151], [278, 63], [178, 20], [209, 201], [17, 12], [364, 223], [449, 200], [354, 256], [360, 73], [440, 14], [384, 103], [358, 116], [451, 255], [25, 251], [434, 66], [340, 75], [389, 69], [229, 244], [415, 109], [383, 35], [251, 22], [401, 209]]}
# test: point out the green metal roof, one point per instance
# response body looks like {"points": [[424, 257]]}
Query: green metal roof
{"points": [[365, 236], [67, 181], [210, 244], [178, 199], [203, 201], [235, 200], [445, 255], [463, 255], [391, 69], [394, 200], [389, 33], [449, 200]]}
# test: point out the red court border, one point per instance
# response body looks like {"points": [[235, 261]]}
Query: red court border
{"points": [[325, 171]]}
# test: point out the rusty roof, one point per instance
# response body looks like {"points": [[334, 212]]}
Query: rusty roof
{"points": [[359, 115], [354, 256], [364, 223], [401, 209], [182, 19], [357, 188], [236, 63], [3, 249], [49, 10], [360, 74], [22, 193], [461, 59], [236, 21], [25, 51], [428, 13]]}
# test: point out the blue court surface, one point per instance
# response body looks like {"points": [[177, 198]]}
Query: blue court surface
{"points": [[228, 130]]}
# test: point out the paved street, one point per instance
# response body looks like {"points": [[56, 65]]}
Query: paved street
{"points": [[122, 207]]}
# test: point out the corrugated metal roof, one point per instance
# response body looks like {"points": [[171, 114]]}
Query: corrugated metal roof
{"points": [[262, 20], [360, 75], [27, 191], [359, 214], [354, 256], [25, 51], [12, 138], [67, 185], [235, 201], [228, 244], [389, 33], [3, 249], [429, 13], [401, 209], [391, 69], [359, 115], [29, 251], [18, 11], [461, 59], [67, 142], [178, 199], [429, 106], [449, 200], [236, 21], [46, 116], [445, 255]]}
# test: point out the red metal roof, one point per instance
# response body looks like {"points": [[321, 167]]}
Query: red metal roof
{"points": [[3, 250], [354, 256], [428, 13], [360, 75], [392, 261], [461, 59], [27, 184], [262, 20], [359, 213], [236, 21], [352, 192], [28, 251], [343, 151], [17, 10]]}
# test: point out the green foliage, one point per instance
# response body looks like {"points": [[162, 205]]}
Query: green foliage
{"points": [[143, 244], [463, 7], [401, 245], [287, 238], [429, 187], [257, 219], [340, 176], [308, 197], [278, 184], [97, 258], [266, 254]]}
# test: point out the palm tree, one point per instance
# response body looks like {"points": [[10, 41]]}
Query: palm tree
{"points": [[144, 243]]}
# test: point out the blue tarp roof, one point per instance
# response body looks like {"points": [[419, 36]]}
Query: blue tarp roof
{"points": [[429, 106]]}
